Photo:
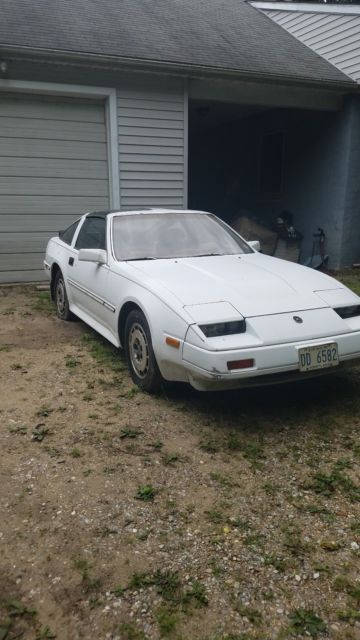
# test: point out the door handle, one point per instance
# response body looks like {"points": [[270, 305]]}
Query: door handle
{"points": [[71, 261]]}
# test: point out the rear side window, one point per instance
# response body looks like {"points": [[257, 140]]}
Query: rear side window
{"points": [[92, 234], [68, 234]]}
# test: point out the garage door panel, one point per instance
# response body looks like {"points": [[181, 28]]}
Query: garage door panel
{"points": [[53, 186], [31, 206], [35, 148], [49, 167], [51, 129], [43, 223], [56, 109], [53, 168]]}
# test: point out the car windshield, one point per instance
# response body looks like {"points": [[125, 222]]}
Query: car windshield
{"points": [[151, 236]]}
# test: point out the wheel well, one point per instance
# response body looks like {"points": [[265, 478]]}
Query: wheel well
{"points": [[54, 270], [125, 310]]}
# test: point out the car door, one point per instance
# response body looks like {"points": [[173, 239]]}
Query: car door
{"points": [[88, 281]]}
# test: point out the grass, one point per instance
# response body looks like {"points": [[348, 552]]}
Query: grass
{"points": [[305, 621], [146, 493], [104, 353], [351, 279]]}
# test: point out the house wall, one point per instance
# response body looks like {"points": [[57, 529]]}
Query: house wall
{"points": [[144, 145], [320, 185], [152, 115]]}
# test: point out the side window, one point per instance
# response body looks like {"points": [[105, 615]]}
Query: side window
{"points": [[92, 234], [68, 234]]}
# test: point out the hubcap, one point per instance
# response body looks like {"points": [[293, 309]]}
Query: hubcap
{"points": [[139, 350], [60, 297]]}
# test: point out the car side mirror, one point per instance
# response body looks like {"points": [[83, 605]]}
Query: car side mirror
{"points": [[254, 244], [93, 255]]}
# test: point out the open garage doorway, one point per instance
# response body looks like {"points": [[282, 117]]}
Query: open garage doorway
{"points": [[266, 163]]}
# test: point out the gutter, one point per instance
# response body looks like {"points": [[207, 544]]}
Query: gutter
{"points": [[160, 67]]}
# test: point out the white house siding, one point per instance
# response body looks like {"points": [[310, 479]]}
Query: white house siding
{"points": [[152, 143], [334, 36], [53, 167]]}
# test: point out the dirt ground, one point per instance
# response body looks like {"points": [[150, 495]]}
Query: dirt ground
{"points": [[226, 516]]}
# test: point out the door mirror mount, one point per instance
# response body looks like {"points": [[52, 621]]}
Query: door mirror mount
{"points": [[254, 244]]}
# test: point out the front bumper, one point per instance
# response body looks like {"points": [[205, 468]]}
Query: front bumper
{"points": [[272, 364]]}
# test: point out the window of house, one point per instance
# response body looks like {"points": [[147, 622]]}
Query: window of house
{"points": [[92, 234], [271, 163]]}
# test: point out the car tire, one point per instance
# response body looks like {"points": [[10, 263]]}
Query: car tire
{"points": [[139, 353], [61, 299]]}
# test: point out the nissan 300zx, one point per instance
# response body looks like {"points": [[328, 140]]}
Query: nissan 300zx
{"points": [[190, 300]]}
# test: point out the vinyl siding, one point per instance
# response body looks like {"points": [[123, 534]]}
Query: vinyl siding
{"points": [[152, 144], [334, 36], [53, 168]]}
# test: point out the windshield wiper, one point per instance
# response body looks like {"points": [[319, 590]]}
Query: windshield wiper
{"points": [[204, 255], [135, 259]]}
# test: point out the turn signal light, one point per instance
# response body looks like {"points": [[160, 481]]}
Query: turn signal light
{"points": [[172, 342], [240, 364]]}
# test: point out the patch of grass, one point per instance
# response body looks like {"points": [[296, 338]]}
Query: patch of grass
{"points": [[16, 366], [18, 429], [254, 453], [328, 484], [157, 445], [75, 453], [39, 432], [84, 567], [45, 634], [221, 479], [342, 583], [168, 584], [168, 459], [71, 362], [129, 631], [253, 615], [44, 411], [167, 621], [145, 492], [210, 446], [279, 563], [127, 432], [349, 615], [294, 542], [16, 609], [216, 517], [103, 352], [43, 303], [195, 594], [233, 442], [305, 621]]}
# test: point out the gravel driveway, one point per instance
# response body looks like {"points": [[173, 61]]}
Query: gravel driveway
{"points": [[191, 516]]}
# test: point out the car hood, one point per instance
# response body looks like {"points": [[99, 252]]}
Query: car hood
{"points": [[254, 284]]}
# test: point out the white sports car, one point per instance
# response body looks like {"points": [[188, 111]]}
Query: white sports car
{"points": [[189, 300]]}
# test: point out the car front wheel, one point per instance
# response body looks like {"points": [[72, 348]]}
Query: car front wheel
{"points": [[139, 353], [60, 298]]}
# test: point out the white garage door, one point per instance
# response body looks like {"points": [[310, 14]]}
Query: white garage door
{"points": [[53, 168]]}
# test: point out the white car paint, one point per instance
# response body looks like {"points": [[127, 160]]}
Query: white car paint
{"points": [[178, 294]]}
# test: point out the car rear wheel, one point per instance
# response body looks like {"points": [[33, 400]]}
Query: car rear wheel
{"points": [[61, 299], [139, 353]]}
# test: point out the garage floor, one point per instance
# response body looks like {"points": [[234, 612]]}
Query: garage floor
{"points": [[192, 516]]}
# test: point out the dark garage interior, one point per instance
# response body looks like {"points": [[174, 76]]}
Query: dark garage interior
{"points": [[263, 163]]}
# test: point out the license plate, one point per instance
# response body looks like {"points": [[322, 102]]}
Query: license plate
{"points": [[321, 356]]}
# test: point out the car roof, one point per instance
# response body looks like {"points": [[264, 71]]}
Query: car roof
{"points": [[116, 212]]}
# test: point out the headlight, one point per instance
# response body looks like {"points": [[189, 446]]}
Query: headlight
{"points": [[223, 328], [348, 312]]}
